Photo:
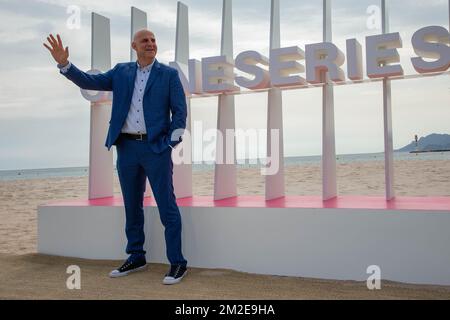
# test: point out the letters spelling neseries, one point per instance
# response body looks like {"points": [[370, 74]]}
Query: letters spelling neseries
{"points": [[283, 68]]}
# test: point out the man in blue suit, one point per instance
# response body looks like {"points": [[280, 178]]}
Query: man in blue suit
{"points": [[148, 117]]}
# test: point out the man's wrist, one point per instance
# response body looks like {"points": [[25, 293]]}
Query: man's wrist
{"points": [[64, 67], [64, 64]]}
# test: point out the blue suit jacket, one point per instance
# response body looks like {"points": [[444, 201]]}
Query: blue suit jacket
{"points": [[164, 102]]}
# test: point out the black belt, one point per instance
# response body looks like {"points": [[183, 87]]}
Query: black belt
{"points": [[133, 136]]}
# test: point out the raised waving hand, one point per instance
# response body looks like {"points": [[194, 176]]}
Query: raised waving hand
{"points": [[57, 50]]}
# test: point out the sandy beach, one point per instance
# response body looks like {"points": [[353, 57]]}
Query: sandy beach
{"points": [[18, 233]]}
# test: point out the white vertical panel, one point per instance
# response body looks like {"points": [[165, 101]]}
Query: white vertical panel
{"points": [[138, 22], [182, 173], [182, 34], [275, 182], [387, 115], [329, 186], [327, 29], [226, 47], [100, 159], [225, 171], [384, 17], [275, 35]]}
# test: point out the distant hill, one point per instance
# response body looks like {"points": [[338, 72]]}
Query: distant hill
{"points": [[431, 142]]}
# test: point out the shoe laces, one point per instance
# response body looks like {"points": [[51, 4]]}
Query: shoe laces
{"points": [[174, 270], [127, 264]]}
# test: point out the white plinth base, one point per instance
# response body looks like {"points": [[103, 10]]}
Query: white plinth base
{"points": [[254, 236]]}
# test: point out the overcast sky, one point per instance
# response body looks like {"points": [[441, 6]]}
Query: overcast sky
{"points": [[44, 121]]}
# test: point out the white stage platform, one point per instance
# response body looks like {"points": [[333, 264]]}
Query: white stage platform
{"points": [[408, 238]]}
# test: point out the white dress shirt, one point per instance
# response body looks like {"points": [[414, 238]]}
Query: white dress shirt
{"points": [[135, 122]]}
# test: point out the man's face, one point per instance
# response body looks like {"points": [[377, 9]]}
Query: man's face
{"points": [[145, 44]]}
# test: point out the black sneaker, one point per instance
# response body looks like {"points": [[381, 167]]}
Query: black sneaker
{"points": [[175, 274], [129, 266]]}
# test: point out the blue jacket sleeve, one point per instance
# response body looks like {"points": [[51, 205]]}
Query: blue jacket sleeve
{"points": [[178, 108], [100, 82]]}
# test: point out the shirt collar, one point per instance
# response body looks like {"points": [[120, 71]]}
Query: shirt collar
{"points": [[147, 68]]}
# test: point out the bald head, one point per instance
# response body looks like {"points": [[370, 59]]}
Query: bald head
{"points": [[144, 43], [141, 33]]}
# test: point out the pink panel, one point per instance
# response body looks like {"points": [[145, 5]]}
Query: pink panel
{"points": [[341, 202]]}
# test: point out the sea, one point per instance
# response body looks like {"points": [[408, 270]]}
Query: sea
{"points": [[25, 174]]}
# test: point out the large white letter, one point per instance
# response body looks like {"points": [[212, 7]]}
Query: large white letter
{"points": [[194, 84], [323, 57], [218, 74], [283, 64], [96, 96], [247, 62], [381, 50], [431, 42], [354, 60]]}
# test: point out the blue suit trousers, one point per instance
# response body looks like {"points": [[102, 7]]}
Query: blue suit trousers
{"points": [[136, 161]]}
